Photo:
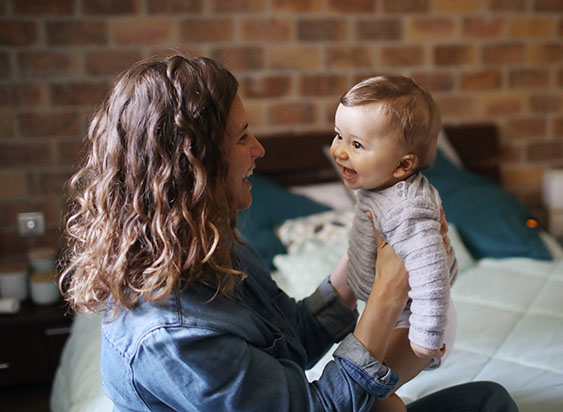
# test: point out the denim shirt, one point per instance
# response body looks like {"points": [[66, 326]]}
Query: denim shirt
{"points": [[247, 354]]}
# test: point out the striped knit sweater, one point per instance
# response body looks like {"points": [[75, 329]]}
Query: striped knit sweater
{"points": [[407, 215]]}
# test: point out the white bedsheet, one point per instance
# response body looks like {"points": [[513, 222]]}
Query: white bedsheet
{"points": [[510, 330]]}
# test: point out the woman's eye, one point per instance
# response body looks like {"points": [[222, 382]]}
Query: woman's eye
{"points": [[357, 145]]}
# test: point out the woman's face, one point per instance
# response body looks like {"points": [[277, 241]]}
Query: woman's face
{"points": [[242, 150]]}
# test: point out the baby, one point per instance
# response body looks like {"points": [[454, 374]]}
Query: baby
{"points": [[386, 133]]}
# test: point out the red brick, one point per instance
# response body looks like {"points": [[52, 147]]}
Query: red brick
{"points": [[268, 86], [378, 29], [529, 78], [6, 125], [111, 7], [321, 84], [174, 6], [35, 154], [349, 57], [294, 57], [266, 30], [240, 57], [5, 66], [47, 64], [352, 6], [44, 7], [521, 176], [22, 95], [507, 5], [206, 30], [511, 152], [70, 152], [77, 33], [482, 27], [291, 113], [546, 53], [504, 53], [297, 5], [143, 31], [406, 6], [321, 29], [548, 5], [456, 6], [530, 27], [428, 28], [538, 152], [47, 183], [501, 104], [234, 6], [453, 55], [481, 80], [52, 123], [557, 126], [529, 127], [78, 93], [11, 184], [109, 61], [545, 103], [402, 56], [456, 106], [19, 33], [435, 81]]}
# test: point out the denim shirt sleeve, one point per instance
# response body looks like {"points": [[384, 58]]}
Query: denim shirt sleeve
{"points": [[208, 371], [333, 315]]}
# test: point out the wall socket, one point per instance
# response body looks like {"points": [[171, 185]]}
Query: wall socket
{"points": [[31, 224]]}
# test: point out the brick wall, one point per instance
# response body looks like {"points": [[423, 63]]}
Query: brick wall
{"points": [[484, 60]]}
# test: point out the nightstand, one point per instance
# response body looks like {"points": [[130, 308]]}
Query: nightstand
{"points": [[31, 342]]}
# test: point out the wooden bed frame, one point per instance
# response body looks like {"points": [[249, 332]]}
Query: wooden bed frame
{"points": [[298, 158]]}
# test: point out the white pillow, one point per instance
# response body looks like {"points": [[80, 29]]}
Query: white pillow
{"points": [[309, 233]]}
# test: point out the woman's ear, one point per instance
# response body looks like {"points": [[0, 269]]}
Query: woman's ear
{"points": [[407, 166]]}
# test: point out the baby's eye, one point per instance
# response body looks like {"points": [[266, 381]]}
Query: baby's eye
{"points": [[357, 145], [338, 136]]}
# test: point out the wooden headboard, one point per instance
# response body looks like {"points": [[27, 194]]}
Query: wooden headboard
{"points": [[298, 158]]}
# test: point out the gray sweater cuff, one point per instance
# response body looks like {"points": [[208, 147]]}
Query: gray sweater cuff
{"points": [[333, 315]]}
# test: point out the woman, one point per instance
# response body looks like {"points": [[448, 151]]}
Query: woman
{"points": [[194, 321]]}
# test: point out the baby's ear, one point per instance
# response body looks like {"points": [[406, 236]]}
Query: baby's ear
{"points": [[407, 166]]}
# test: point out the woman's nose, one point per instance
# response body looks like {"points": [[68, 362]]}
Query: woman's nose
{"points": [[258, 150]]}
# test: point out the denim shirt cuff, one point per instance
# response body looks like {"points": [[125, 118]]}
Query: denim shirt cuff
{"points": [[333, 315], [374, 376]]}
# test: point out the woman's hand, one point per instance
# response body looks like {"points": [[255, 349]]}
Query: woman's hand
{"points": [[387, 299]]}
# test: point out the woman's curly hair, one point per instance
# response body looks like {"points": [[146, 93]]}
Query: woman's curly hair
{"points": [[151, 207]]}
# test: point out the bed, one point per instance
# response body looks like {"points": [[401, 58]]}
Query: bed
{"points": [[508, 293]]}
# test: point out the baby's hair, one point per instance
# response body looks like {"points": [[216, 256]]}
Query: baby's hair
{"points": [[409, 108]]}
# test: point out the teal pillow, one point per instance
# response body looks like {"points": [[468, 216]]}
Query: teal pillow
{"points": [[490, 221], [271, 205]]}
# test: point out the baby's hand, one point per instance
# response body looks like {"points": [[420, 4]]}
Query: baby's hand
{"points": [[428, 353]]}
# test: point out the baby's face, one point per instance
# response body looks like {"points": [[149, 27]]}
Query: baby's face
{"points": [[365, 147]]}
